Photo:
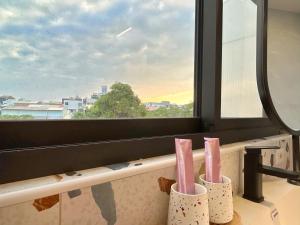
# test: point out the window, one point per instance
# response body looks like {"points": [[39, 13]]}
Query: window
{"points": [[120, 59], [240, 98], [152, 53]]}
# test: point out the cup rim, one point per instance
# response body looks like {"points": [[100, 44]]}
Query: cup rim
{"points": [[203, 190], [225, 180]]}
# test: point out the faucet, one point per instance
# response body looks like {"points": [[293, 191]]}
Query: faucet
{"points": [[253, 170]]}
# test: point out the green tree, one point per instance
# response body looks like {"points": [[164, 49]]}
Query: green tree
{"points": [[120, 102], [173, 111]]}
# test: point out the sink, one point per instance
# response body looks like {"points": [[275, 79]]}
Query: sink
{"points": [[281, 205], [252, 213]]}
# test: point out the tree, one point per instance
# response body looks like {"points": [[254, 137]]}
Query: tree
{"points": [[120, 102], [172, 111]]}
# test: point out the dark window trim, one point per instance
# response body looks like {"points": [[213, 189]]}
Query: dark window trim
{"points": [[37, 162], [212, 71], [30, 149], [24, 134], [198, 58]]}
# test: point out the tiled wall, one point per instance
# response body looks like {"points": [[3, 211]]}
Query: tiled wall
{"points": [[27, 214], [135, 200]]}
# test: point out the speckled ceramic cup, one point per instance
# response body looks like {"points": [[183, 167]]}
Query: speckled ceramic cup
{"points": [[220, 201], [188, 209]]}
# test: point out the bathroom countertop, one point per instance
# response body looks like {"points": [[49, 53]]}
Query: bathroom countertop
{"points": [[251, 212], [279, 207], [236, 220]]}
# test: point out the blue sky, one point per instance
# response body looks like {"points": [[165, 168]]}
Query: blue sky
{"points": [[52, 49]]}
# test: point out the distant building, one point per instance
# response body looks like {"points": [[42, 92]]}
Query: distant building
{"points": [[73, 105], [6, 101], [36, 110], [91, 101], [103, 90], [151, 106], [95, 96]]}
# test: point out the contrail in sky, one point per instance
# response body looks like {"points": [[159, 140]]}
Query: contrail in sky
{"points": [[123, 32]]}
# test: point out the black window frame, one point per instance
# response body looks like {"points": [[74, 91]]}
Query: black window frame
{"points": [[30, 149], [213, 116]]}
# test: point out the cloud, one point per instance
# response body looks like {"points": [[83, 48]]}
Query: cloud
{"points": [[57, 21], [71, 47], [179, 3], [97, 54], [16, 14], [17, 50], [64, 76], [96, 6], [5, 15], [144, 49], [165, 4]]}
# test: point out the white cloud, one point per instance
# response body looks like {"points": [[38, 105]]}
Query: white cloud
{"points": [[96, 6], [17, 50], [57, 22], [161, 5], [165, 4], [97, 54], [144, 49], [67, 77], [43, 2], [179, 3], [6, 14], [125, 56], [14, 15]]}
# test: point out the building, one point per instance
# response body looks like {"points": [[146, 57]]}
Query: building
{"points": [[6, 101], [95, 96], [72, 105], [36, 110], [151, 106], [103, 90]]}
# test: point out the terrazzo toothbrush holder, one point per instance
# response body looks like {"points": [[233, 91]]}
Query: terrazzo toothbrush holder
{"points": [[220, 202], [187, 208]]}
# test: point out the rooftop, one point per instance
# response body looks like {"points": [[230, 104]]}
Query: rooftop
{"points": [[34, 107]]}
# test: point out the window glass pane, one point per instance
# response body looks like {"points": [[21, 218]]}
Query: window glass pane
{"points": [[96, 59], [240, 97]]}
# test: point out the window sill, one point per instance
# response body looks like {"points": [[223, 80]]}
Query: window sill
{"points": [[21, 191]]}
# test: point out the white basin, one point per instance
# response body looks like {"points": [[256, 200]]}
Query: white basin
{"points": [[281, 205]]}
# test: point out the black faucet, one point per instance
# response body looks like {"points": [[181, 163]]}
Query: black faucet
{"points": [[253, 170]]}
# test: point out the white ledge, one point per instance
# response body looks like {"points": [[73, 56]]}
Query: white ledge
{"points": [[22, 191]]}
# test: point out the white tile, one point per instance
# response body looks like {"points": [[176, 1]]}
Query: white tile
{"points": [[27, 214], [80, 210]]}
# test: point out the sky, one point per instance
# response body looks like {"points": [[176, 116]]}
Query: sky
{"points": [[50, 49]]}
